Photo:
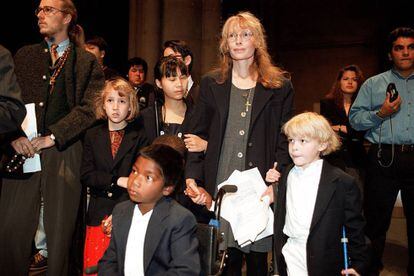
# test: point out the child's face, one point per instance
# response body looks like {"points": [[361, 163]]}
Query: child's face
{"points": [[174, 88], [145, 183], [116, 107], [304, 150]]}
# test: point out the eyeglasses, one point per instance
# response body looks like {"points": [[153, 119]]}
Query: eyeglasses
{"points": [[244, 36], [47, 10]]}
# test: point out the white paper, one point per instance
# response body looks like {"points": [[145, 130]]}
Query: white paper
{"points": [[29, 127], [251, 218]]}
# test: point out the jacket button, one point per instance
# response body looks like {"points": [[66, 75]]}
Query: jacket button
{"points": [[250, 144], [250, 164], [109, 194], [240, 155], [44, 77], [41, 104]]}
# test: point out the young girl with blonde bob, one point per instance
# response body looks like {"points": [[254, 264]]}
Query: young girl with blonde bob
{"points": [[315, 200], [110, 150]]}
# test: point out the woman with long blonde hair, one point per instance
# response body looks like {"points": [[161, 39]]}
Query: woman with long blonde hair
{"points": [[241, 109]]}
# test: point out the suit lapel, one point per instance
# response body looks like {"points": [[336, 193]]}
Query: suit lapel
{"points": [[261, 97], [155, 230], [221, 93], [325, 191], [124, 226], [104, 143], [128, 141], [281, 194], [69, 77]]}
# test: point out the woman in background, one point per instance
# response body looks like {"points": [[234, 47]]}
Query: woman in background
{"points": [[335, 107]]}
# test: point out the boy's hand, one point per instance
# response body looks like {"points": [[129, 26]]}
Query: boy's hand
{"points": [[272, 174], [349, 271]]}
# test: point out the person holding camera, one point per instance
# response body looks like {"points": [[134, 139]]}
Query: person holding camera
{"points": [[383, 108]]}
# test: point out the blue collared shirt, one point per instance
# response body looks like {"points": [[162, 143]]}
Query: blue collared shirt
{"points": [[371, 96], [62, 46]]}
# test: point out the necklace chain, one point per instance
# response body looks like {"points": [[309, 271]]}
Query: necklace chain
{"points": [[59, 68], [247, 97]]}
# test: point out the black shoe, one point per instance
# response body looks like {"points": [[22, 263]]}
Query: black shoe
{"points": [[39, 262]]}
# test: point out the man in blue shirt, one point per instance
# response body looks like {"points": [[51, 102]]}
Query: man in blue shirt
{"points": [[390, 130]]}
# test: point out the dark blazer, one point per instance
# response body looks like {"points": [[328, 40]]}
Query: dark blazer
{"points": [[338, 203], [352, 152], [12, 110], [99, 170], [266, 144], [170, 246], [193, 94], [148, 118], [83, 81]]}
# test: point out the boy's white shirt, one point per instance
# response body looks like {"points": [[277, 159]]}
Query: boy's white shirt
{"points": [[301, 191], [134, 254]]}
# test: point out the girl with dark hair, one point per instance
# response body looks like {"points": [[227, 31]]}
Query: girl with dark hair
{"points": [[335, 107], [172, 112]]}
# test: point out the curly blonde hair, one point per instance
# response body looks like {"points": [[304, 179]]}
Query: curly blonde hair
{"points": [[124, 89], [315, 126], [269, 75]]}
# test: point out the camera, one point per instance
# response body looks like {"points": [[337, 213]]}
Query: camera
{"points": [[392, 91]]}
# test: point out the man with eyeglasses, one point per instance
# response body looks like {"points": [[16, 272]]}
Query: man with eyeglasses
{"points": [[180, 49], [61, 79]]}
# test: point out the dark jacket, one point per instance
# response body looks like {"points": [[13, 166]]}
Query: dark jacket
{"points": [[99, 170], [83, 81], [266, 144], [148, 117], [12, 109], [170, 246], [338, 203]]}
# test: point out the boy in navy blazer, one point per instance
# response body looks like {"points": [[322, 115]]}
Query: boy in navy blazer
{"points": [[314, 201], [152, 234]]}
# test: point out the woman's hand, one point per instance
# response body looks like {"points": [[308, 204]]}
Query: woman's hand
{"points": [[268, 193], [197, 194], [340, 128], [194, 143]]}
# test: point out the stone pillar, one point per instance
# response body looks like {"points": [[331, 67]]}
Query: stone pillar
{"points": [[182, 21], [195, 21], [145, 32], [211, 27]]}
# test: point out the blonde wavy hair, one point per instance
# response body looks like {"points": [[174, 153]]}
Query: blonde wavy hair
{"points": [[314, 126], [269, 75], [124, 89]]}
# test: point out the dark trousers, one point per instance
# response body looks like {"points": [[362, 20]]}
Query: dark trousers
{"points": [[381, 190], [59, 185], [256, 263]]}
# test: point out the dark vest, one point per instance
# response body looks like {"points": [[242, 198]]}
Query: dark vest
{"points": [[56, 102]]}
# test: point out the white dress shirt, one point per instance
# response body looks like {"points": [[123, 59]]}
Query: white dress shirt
{"points": [[302, 188], [134, 255]]}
